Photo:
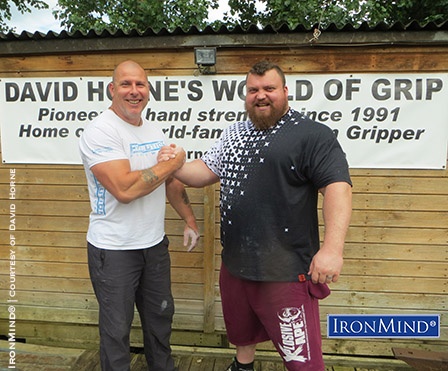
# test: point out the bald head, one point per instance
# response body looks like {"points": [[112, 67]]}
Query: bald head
{"points": [[130, 67]]}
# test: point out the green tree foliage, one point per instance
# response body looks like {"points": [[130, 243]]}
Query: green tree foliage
{"points": [[340, 12], [133, 14], [140, 15], [422, 11], [23, 6]]}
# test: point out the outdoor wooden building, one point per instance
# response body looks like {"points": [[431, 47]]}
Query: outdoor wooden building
{"points": [[396, 254]]}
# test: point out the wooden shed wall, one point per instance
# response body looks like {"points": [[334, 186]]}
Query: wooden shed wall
{"points": [[396, 255]]}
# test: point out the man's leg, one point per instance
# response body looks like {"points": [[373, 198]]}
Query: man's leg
{"points": [[244, 360], [155, 305], [114, 276], [243, 327], [246, 353]]}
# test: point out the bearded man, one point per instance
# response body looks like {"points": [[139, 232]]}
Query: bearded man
{"points": [[274, 268]]}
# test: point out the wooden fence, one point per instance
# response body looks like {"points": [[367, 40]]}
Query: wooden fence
{"points": [[396, 255]]}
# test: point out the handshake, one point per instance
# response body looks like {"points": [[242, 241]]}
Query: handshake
{"points": [[172, 153]]}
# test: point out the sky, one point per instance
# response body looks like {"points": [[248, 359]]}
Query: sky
{"points": [[42, 20], [38, 20]]}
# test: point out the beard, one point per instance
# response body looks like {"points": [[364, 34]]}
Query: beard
{"points": [[264, 120]]}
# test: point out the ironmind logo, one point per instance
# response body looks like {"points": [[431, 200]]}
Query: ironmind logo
{"points": [[383, 326]]}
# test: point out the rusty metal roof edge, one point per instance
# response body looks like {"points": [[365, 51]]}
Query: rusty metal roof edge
{"points": [[268, 37]]}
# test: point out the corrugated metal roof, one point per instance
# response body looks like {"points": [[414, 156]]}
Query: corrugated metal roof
{"points": [[223, 30], [332, 35]]}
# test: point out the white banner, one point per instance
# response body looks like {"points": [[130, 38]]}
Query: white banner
{"points": [[381, 121]]}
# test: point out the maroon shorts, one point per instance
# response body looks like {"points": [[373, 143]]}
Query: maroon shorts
{"points": [[287, 313]]}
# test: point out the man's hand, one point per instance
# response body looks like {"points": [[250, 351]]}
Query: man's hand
{"points": [[190, 235], [169, 152], [326, 266]]}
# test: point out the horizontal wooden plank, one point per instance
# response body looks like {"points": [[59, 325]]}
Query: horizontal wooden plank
{"points": [[37, 208], [364, 58], [400, 218], [396, 284], [373, 201], [48, 238], [48, 223], [40, 303], [400, 185], [38, 314], [45, 176], [49, 284], [88, 65], [399, 173], [418, 236], [49, 254], [389, 268], [48, 269], [410, 251], [372, 300], [17, 167], [52, 192], [319, 60]]}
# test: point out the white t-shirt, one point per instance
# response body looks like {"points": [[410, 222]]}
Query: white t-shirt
{"points": [[114, 225]]}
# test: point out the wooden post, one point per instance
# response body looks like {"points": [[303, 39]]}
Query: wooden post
{"points": [[209, 259]]}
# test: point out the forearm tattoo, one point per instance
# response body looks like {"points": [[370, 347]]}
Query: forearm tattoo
{"points": [[149, 176], [185, 197]]}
